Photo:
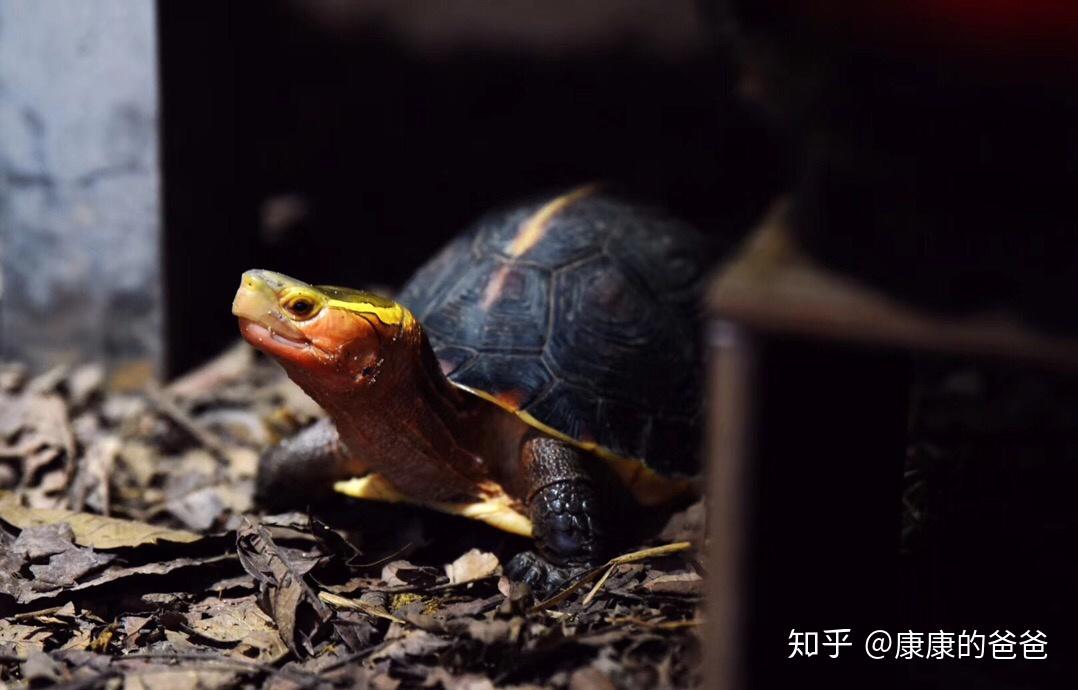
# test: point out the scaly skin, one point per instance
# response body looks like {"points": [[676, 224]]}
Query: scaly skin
{"points": [[367, 362]]}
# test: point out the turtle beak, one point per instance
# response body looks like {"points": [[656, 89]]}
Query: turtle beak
{"points": [[256, 303]]}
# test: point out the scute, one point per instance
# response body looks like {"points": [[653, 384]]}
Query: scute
{"points": [[588, 322], [494, 306], [569, 239], [611, 336], [571, 410], [631, 424], [436, 278], [513, 380], [452, 358]]}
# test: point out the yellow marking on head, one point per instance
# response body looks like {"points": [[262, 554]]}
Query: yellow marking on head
{"points": [[395, 315], [386, 310], [533, 229]]}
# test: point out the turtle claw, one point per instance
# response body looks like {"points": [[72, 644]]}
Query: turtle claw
{"points": [[544, 578]]}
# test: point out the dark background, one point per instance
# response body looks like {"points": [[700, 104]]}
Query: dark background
{"points": [[367, 147], [929, 150]]}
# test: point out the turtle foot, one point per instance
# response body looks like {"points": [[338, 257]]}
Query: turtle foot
{"points": [[545, 578]]}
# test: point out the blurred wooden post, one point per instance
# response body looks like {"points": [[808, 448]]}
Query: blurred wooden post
{"points": [[809, 378], [79, 182], [730, 375]]}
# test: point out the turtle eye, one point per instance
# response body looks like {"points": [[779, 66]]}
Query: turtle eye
{"points": [[301, 307]]}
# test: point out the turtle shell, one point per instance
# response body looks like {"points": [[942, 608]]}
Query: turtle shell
{"points": [[580, 314]]}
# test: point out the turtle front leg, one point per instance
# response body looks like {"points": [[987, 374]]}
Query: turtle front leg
{"points": [[304, 467], [564, 507]]}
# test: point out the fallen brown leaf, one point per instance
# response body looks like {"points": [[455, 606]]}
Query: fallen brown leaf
{"points": [[676, 583], [473, 565], [301, 617], [238, 622], [90, 530]]}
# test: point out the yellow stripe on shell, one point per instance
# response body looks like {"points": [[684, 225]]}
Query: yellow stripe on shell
{"points": [[533, 229], [646, 485], [497, 510]]}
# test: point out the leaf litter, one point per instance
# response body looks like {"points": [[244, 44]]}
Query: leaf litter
{"points": [[133, 555]]}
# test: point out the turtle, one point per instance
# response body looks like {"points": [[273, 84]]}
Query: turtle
{"points": [[542, 372]]}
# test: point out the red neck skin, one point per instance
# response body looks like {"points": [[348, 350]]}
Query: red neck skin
{"points": [[411, 425]]}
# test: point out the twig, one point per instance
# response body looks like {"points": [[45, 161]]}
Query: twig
{"points": [[441, 587], [35, 614], [168, 407], [656, 624], [359, 605], [219, 659], [230, 364], [593, 573], [383, 560], [598, 585], [642, 554]]}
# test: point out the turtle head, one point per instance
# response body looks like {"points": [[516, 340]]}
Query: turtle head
{"points": [[327, 338]]}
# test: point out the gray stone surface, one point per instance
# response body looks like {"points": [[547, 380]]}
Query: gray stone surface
{"points": [[79, 181]]}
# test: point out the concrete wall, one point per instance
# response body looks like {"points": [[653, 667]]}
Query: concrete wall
{"points": [[79, 182]]}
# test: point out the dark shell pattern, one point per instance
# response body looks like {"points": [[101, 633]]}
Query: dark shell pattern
{"points": [[583, 314]]}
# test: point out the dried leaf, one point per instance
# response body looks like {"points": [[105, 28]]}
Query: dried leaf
{"points": [[91, 485], [497, 631], [402, 573], [469, 681], [81, 639], [113, 573], [41, 541], [676, 583], [301, 617], [39, 668], [21, 640], [199, 509], [412, 642], [161, 677], [473, 565], [133, 624], [83, 383], [41, 419], [90, 530], [66, 568], [240, 622], [223, 369], [590, 678], [12, 376], [470, 606]]}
